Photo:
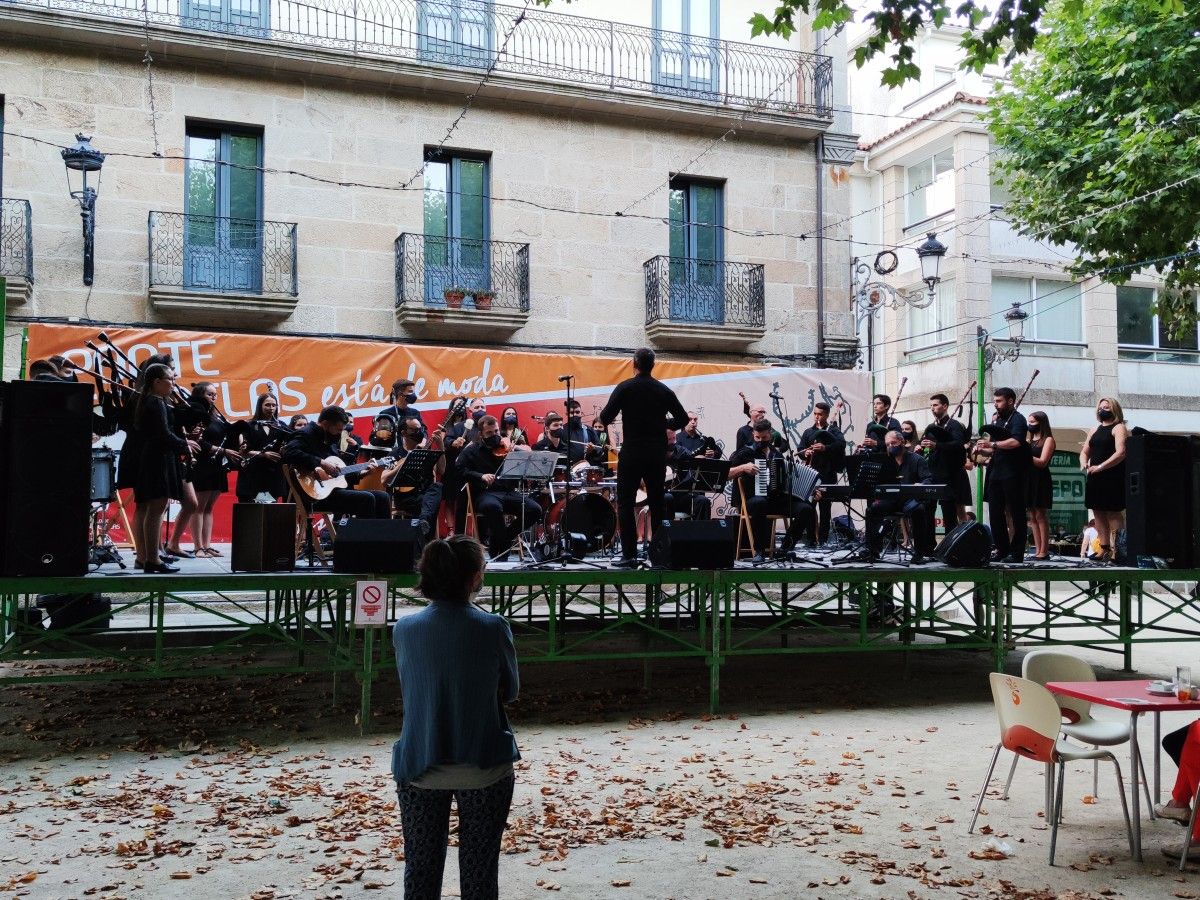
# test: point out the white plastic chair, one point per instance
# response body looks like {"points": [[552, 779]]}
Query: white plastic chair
{"points": [[1031, 726], [1044, 666]]}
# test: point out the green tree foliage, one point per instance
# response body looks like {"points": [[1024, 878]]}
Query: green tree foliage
{"points": [[1105, 112]]}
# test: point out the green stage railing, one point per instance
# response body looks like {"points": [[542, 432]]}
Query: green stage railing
{"points": [[201, 626]]}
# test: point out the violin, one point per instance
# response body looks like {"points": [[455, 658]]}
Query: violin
{"points": [[502, 449]]}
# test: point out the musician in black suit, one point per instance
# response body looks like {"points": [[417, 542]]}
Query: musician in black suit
{"points": [[823, 447], [947, 455], [1008, 476], [307, 453], [478, 465], [881, 405], [682, 497], [909, 469], [692, 442], [743, 466]]}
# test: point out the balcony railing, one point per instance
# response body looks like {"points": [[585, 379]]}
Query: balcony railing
{"points": [[16, 239], [704, 292], [543, 45], [219, 254], [427, 266]]}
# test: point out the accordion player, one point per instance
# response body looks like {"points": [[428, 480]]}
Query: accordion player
{"points": [[763, 487]]}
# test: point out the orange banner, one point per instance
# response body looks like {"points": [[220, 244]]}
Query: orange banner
{"points": [[309, 373]]}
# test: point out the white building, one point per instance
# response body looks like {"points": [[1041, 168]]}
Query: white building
{"points": [[924, 165]]}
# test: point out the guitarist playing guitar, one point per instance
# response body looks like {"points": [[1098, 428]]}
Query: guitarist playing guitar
{"points": [[313, 454]]}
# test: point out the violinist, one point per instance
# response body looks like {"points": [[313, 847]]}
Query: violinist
{"points": [[478, 464], [262, 438], [412, 501], [457, 429], [510, 430], [209, 475], [823, 447], [158, 472]]}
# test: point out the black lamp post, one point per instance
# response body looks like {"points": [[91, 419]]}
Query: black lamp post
{"points": [[84, 159], [930, 254]]}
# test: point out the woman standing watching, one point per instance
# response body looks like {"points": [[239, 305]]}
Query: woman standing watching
{"points": [[263, 436], [158, 480], [1103, 461], [1041, 487], [457, 667]]}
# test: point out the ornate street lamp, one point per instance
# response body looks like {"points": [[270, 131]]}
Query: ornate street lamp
{"points": [[989, 353], [870, 296], [84, 159]]}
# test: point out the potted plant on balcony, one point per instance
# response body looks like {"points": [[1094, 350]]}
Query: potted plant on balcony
{"points": [[483, 298], [454, 297]]}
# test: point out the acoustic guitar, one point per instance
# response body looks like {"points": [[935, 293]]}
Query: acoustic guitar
{"points": [[319, 489]]}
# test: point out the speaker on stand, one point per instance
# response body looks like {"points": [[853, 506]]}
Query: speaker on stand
{"points": [[967, 546], [45, 478]]}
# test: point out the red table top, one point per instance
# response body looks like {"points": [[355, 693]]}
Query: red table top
{"points": [[1128, 695]]}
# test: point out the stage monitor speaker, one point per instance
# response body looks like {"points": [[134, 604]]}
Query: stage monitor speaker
{"points": [[704, 544], [45, 478], [1158, 498], [967, 546], [264, 537], [1194, 503], [377, 546]]}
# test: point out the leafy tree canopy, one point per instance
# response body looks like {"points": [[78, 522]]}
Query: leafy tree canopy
{"points": [[1090, 130]]}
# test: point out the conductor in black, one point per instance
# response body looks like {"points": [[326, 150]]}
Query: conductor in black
{"points": [[647, 408]]}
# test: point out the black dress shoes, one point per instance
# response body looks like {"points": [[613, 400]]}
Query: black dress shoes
{"points": [[159, 569]]}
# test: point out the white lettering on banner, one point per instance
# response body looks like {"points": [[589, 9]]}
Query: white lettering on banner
{"points": [[198, 358], [475, 385], [285, 389], [370, 603]]}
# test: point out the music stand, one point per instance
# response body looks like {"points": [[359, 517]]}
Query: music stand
{"points": [[708, 475], [872, 470], [416, 469]]}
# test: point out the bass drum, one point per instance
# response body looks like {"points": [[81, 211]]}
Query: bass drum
{"points": [[590, 515]]}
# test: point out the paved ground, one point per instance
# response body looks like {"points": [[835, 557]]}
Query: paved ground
{"points": [[828, 777]]}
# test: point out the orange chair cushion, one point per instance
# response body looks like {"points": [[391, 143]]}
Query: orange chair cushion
{"points": [[1024, 741]]}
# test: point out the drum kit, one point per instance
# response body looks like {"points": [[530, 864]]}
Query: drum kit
{"points": [[103, 492], [590, 511]]}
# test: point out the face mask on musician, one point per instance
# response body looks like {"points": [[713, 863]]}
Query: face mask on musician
{"points": [[510, 420], [413, 435], [762, 440], [409, 397], [1105, 415], [477, 414], [576, 421], [895, 449], [492, 441]]}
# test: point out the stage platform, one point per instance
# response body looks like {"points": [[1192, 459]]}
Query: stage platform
{"points": [[206, 621]]}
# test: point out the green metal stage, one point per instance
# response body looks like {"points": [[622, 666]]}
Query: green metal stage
{"points": [[187, 626]]}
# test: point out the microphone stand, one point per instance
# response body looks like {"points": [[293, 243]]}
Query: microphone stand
{"points": [[565, 556]]}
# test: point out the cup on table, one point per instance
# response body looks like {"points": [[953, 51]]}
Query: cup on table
{"points": [[1183, 682]]}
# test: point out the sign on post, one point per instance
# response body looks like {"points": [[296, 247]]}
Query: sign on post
{"points": [[370, 604]]}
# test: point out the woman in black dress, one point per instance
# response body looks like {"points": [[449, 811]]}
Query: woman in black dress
{"points": [[209, 476], [1103, 461], [158, 480], [1041, 489], [263, 436], [131, 448]]}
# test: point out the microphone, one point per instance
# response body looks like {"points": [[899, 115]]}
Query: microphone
{"points": [[565, 377], [775, 396]]}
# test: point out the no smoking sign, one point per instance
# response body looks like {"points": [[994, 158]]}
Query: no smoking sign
{"points": [[370, 603]]}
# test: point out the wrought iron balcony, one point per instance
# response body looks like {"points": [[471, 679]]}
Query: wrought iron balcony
{"points": [[222, 255], [543, 45], [16, 239], [705, 293], [428, 268]]}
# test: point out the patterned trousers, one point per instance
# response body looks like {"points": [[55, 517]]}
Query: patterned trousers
{"points": [[425, 818]]}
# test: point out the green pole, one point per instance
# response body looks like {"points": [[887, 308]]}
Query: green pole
{"points": [[981, 394]]}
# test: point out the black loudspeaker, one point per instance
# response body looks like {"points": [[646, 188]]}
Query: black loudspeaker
{"points": [[967, 546], [1194, 502], [1158, 497], [377, 546], [705, 544], [264, 537], [45, 477]]}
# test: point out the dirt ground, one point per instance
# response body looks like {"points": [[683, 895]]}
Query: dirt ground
{"points": [[825, 776]]}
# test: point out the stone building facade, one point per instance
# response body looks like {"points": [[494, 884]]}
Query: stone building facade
{"points": [[334, 169]]}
